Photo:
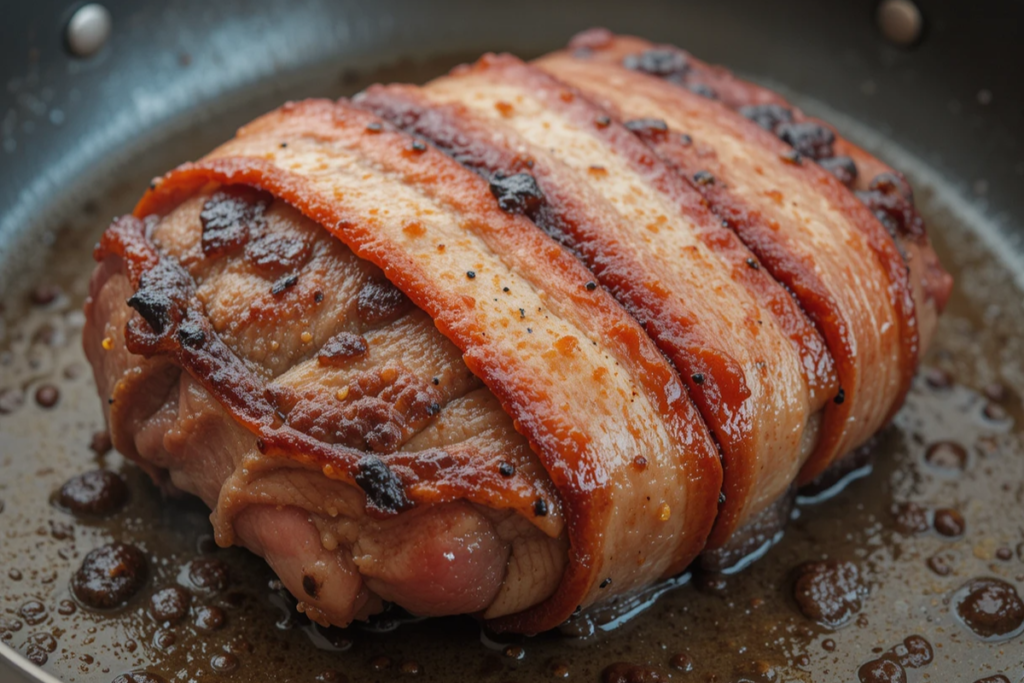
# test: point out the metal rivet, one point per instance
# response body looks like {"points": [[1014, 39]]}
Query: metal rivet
{"points": [[88, 29], [900, 21]]}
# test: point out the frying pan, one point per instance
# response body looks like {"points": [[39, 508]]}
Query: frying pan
{"points": [[75, 128]]}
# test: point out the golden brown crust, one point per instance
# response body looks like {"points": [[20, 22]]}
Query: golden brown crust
{"points": [[691, 235], [932, 283], [501, 116], [629, 403], [792, 216]]}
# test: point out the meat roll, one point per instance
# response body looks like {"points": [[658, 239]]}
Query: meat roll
{"points": [[515, 343]]}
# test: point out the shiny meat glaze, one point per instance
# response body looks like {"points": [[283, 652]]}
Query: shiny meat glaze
{"points": [[648, 238], [825, 255], [632, 455], [931, 283], [377, 469], [409, 391]]}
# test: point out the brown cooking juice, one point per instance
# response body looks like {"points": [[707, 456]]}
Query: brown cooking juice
{"points": [[913, 571]]}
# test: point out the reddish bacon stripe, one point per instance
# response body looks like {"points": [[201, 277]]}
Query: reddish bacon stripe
{"points": [[793, 256], [570, 211], [932, 284], [336, 168]]}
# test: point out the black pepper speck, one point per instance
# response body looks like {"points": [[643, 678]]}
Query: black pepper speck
{"points": [[703, 178], [283, 284]]}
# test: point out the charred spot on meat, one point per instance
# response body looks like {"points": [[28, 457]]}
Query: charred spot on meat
{"points": [[890, 199], [153, 306], [284, 284], [842, 167], [342, 348], [191, 335], [648, 129], [516, 193], [768, 116], [384, 491], [230, 217], [701, 89], [658, 62], [273, 253], [810, 139], [379, 302]]}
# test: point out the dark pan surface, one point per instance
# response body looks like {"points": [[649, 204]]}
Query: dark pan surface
{"points": [[178, 78]]}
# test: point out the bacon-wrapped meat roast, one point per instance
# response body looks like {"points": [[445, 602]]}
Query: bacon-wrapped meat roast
{"points": [[520, 341]]}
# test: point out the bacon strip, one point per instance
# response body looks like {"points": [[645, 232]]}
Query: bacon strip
{"points": [[810, 232], [649, 238], [635, 468], [883, 187]]}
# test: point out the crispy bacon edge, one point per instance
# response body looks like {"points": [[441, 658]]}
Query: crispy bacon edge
{"points": [[172, 323], [584, 501], [905, 255], [721, 392]]}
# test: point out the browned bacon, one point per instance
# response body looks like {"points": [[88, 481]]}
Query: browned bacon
{"points": [[513, 343], [610, 420], [648, 237], [801, 222]]}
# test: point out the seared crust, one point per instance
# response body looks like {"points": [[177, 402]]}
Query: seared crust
{"points": [[932, 284], [570, 324], [809, 230], [395, 202], [658, 249], [174, 325]]}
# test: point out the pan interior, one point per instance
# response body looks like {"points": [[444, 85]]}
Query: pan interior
{"points": [[746, 626]]}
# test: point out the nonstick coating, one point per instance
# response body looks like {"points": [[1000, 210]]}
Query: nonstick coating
{"points": [[72, 129], [956, 100]]}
